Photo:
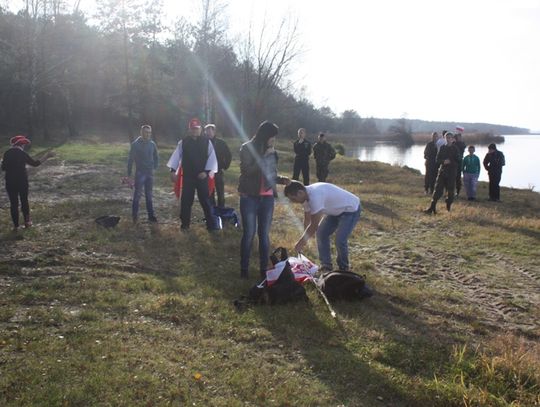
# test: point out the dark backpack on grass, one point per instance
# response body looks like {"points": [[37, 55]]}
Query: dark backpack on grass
{"points": [[345, 285], [285, 290]]}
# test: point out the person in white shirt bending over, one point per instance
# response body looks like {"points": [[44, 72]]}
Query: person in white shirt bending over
{"points": [[328, 209]]}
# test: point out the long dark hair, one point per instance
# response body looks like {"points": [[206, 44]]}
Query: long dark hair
{"points": [[266, 131]]}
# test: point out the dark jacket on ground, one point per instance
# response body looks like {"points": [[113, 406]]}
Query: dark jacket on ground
{"points": [[302, 150], [194, 155], [14, 164], [253, 168], [223, 153], [324, 153], [493, 162]]}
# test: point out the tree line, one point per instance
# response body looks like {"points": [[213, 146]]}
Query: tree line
{"points": [[64, 73]]}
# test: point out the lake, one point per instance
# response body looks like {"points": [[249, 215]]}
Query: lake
{"points": [[522, 154]]}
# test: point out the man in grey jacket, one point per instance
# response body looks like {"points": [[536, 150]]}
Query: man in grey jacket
{"points": [[144, 154]]}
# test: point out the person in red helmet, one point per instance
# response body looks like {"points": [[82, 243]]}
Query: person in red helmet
{"points": [[14, 164]]}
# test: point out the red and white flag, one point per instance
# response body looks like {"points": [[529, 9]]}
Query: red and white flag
{"points": [[460, 129]]}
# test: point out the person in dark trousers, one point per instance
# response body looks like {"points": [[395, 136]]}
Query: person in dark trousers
{"points": [[224, 157], [461, 148], [302, 151], [144, 154], [196, 157], [430, 155], [493, 163], [257, 188], [323, 153], [14, 164], [448, 160]]}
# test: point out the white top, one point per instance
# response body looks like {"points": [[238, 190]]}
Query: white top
{"points": [[175, 161], [440, 142], [329, 199]]}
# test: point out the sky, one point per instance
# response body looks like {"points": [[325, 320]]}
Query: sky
{"points": [[459, 60]]}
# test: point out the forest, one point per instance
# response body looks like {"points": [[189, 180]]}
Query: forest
{"points": [[65, 74]]}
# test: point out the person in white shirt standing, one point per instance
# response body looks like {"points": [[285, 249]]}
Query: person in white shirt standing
{"points": [[328, 209]]}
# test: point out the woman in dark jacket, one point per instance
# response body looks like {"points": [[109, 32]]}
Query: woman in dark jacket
{"points": [[257, 188], [14, 164]]}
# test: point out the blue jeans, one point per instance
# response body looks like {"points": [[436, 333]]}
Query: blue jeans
{"points": [[146, 181], [256, 212], [342, 225]]}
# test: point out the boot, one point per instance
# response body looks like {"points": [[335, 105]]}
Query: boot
{"points": [[448, 205], [432, 209]]}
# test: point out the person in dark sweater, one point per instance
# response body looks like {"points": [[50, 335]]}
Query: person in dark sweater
{"points": [[224, 157], [144, 154], [257, 189], [430, 155], [493, 163], [196, 157], [302, 151], [461, 148], [323, 153], [14, 164], [448, 159]]}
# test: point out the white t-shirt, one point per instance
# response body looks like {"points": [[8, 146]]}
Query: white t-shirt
{"points": [[329, 199]]}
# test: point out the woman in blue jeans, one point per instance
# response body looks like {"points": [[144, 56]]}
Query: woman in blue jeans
{"points": [[328, 209], [257, 188]]}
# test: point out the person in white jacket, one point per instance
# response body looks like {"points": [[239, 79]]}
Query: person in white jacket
{"points": [[196, 157]]}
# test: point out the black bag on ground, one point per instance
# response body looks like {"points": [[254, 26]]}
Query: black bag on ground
{"points": [[345, 285], [285, 290]]}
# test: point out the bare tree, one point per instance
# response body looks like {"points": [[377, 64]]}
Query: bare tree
{"points": [[267, 57]]}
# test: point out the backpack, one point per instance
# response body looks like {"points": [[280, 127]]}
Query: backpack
{"points": [[284, 290], [344, 285], [224, 216]]}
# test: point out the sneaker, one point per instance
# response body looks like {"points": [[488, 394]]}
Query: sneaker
{"points": [[430, 211], [152, 219], [28, 223], [184, 228]]}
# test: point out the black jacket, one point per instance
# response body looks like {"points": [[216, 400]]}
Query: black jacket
{"points": [[302, 150], [14, 164], [493, 162], [430, 153], [448, 152], [194, 155], [223, 153], [324, 153]]}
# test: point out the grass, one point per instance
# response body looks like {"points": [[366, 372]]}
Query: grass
{"points": [[143, 315]]}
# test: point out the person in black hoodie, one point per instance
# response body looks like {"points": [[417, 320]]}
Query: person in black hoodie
{"points": [[430, 155], [302, 151], [224, 157], [14, 164], [448, 159], [493, 163]]}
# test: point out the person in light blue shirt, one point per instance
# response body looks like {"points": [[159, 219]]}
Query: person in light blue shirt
{"points": [[144, 154], [471, 171]]}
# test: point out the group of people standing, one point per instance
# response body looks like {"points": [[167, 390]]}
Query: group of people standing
{"points": [[197, 165], [445, 164]]}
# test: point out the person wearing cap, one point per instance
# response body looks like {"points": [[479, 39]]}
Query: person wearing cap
{"points": [[224, 157], [14, 164], [328, 209], [323, 153], [196, 157], [257, 189], [430, 156], [302, 151], [493, 163], [448, 160], [143, 152]]}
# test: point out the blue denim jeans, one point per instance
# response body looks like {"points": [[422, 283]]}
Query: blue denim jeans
{"points": [[146, 181], [256, 212], [342, 225]]}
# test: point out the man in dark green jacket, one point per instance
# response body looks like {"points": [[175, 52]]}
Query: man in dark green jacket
{"points": [[448, 160], [224, 157], [324, 153]]}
